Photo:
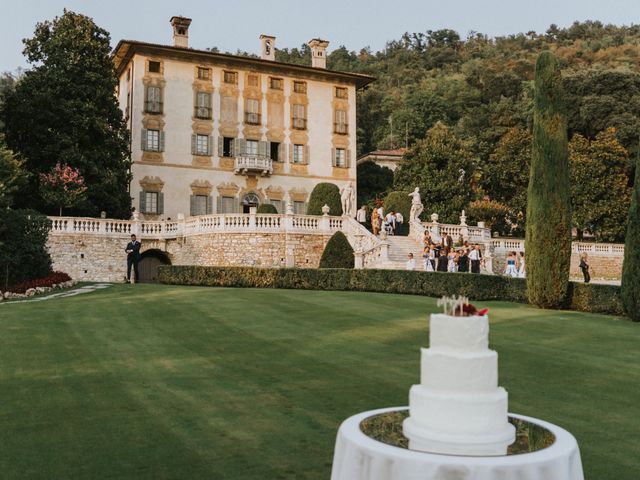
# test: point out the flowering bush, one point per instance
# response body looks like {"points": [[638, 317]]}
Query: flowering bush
{"points": [[488, 211], [53, 278], [63, 186]]}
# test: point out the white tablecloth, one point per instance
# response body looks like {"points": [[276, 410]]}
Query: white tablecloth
{"points": [[359, 457]]}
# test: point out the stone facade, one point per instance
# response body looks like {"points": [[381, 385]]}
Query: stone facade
{"points": [[88, 257]]}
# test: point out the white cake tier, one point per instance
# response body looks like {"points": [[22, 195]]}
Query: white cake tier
{"points": [[465, 334], [459, 371], [453, 413]]}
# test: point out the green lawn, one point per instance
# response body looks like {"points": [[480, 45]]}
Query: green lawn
{"points": [[183, 382]]}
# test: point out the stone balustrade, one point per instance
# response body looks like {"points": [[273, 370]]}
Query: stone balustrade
{"points": [[218, 223], [245, 164], [590, 248]]}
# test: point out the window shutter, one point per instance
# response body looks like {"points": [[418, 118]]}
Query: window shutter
{"points": [[282, 152], [192, 205], [291, 148], [209, 205], [142, 204], [240, 147], [210, 145], [193, 146], [220, 147], [306, 155], [262, 148], [143, 140], [161, 135], [219, 204], [160, 202], [333, 157], [232, 148], [347, 158]]}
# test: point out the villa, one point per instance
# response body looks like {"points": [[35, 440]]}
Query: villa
{"points": [[220, 133]]}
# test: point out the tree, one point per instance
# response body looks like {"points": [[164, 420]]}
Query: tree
{"points": [[548, 235], [630, 288], [600, 192], [23, 250], [444, 169], [486, 210], [325, 193], [64, 111], [506, 176], [63, 186], [373, 181], [12, 175], [338, 253]]}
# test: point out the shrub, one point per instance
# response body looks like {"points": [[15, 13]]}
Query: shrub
{"points": [[338, 253], [488, 211], [23, 250], [53, 278], [325, 193], [266, 208], [630, 290], [582, 297], [548, 234]]}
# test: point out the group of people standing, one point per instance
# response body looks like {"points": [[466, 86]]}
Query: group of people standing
{"points": [[515, 266], [390, 223], [440, 255]]}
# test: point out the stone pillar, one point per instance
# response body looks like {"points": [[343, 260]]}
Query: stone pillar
{"points": [[358, 258], [324, 221], [181, 225], [384, 251], [252, 217]]}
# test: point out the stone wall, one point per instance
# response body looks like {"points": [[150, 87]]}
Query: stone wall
{"points": [[88, 257], [603, 267]]}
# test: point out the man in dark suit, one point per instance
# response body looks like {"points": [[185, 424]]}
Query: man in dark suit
{"points": [[133, 257]]}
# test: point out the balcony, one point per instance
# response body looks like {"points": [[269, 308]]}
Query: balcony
{"points": [[341, 128], [153, 107], [203, 112], [252, 164], [251, 118], [299, 123]]}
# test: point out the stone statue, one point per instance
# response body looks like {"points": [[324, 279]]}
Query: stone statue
{"points": [[416, 206], [346, 197]]}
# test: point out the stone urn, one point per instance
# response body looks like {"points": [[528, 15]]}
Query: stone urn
{"points": [[325, 209]]}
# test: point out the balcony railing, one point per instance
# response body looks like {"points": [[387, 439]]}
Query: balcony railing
{"points": [[246, 164], [341, 128], [252, 118], [299, 123], [153, 107], [202, 112]]}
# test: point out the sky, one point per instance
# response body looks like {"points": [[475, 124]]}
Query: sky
{"points": [[236, 24]]}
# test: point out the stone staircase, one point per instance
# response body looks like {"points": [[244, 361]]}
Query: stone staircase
{"points": [[399, 248]]}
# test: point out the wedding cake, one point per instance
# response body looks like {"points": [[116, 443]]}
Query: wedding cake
{"points": [[458, 407]]}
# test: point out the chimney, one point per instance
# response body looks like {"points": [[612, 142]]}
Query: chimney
{"points": [[180, 31], [318, 52], [267, 47]]}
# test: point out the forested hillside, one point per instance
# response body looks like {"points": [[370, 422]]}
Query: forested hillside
{"points": [[480, 90]]}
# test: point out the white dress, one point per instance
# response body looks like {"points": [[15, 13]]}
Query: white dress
{"points": [[522, 273]]}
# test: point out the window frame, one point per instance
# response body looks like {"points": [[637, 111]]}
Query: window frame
{"points": [[230, 77], [342, 93], [151, 199], [154, 63], [342, 157], [299, 83], [199, 72], [276, 83]]}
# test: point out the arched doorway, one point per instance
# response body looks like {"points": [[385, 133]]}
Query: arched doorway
{"points": [[148, 265], [250, 199]]}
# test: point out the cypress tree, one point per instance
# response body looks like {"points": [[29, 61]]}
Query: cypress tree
{"points": [[548, 234], [630, 290], [325, 193]]}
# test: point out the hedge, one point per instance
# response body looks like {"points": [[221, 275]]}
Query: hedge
{"points": [[582, 297], [325, 193], [266, 208]]}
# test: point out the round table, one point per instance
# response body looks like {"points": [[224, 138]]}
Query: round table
{"points": [[359, 457]]}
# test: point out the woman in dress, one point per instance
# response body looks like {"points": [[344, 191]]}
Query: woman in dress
{"points": [[510, 270], [451, 264], [426, 252], [522, 272], [463, 261], [376, 222]]}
